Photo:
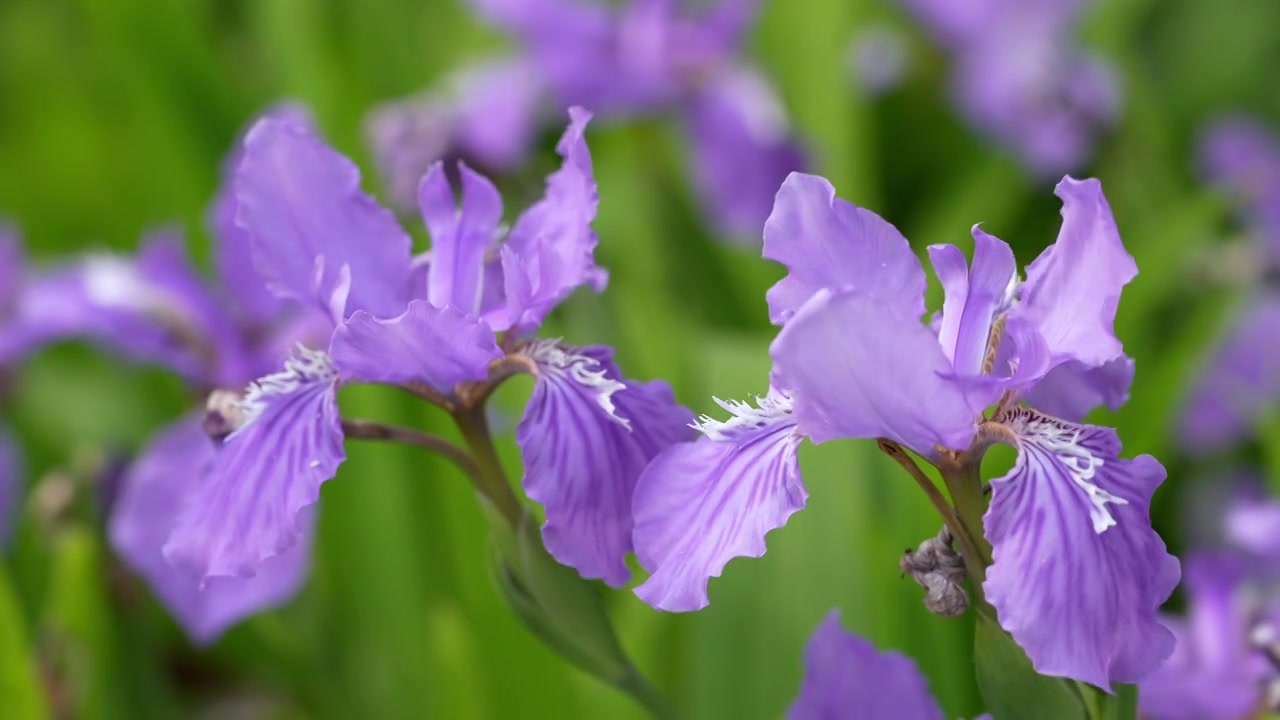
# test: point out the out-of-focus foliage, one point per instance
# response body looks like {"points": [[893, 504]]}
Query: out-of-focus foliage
{"points": [[114, 117]]}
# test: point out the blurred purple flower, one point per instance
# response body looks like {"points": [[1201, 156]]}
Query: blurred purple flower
{"points": [[845, 676], [1241, 379], [878, 57], [1227, 662], [1019, 77], [318, 239], [642, 58], [487, 115], [853, 360]]}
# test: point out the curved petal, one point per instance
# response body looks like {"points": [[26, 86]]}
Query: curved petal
{"points": [[1240, 382], [585, 437], [973, 297], [1071, 390], [10, 486], [173, 466], [459, 236], [245, 290], [301, 205], [551, 246], [826, 242], [700, 504], [1073, 288], [1214, 673], [742, 149], [253, 505], [436, 347], [846, 677], [1072, 540], [858, 368]]}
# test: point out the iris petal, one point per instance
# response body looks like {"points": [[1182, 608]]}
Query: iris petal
{"points": [[1072, 541]]}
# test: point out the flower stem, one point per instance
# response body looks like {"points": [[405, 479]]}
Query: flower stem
{"points": [[373, 430], [490, 478], [964, 483]]}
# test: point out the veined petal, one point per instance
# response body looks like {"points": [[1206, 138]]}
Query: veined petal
{"points": [[438, 347], [845, 676], [586, 435], [1073, 288], [459, 236], [826, 242], [742, 149], [974, 297], [267, 473], [1240, 382], [1214, 673], [172, 467], [700, 504], [551, 246], [301, 204], [10, 486], [859, 368], [1071, 390], [1072, 540]]}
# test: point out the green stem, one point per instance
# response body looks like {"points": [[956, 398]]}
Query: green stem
{"points": [[490, 478], [965, 486]]}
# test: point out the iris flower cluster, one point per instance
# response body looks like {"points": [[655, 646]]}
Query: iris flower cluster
{"points": [[1067, 533]]}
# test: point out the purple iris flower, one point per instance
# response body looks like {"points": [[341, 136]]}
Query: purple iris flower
{"points": [[318, 239], [642, 58], [1019, 77], [156, 308], [1241, 379], [1069, 525]]}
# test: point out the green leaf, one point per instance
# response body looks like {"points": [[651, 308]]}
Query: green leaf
{"points": [[19, 684], [1011, 688]]}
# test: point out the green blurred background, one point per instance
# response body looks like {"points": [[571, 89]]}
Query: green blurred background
{"points": [[114, 117]]}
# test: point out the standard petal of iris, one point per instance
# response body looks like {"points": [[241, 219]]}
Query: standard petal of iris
{"points": [[700, 504], [974, 297], [1241, 381], [438, 347], [550, 251], [742, 149], [585, 437], [845, 676], [859, 368], [826, 242], [10, 486], [301, 204], [1214, 672], [1071, 390], [253, 506], [459, 237], [172, 467], [1071, 540], [1073, 288]]}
